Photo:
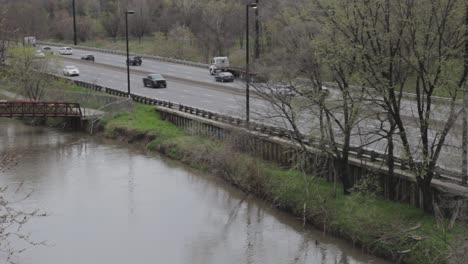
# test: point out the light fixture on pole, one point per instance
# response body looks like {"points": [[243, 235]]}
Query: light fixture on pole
{"points": [[247, 73], [128, 57]]}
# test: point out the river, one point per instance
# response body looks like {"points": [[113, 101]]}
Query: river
{"points": [[116, 204]]}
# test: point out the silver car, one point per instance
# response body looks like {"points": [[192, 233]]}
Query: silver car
{"points": [[71, 71]]}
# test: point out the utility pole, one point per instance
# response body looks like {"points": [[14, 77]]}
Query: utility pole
{"points": [[465, 105], [74, 23], [247, 63], [257, 34], [128, 12], [247, 73]]}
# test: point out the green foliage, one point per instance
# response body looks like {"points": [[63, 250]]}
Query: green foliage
{"points": [[382, 227], [145, 119]]}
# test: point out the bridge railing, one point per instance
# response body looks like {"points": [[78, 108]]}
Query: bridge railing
{"points": [[39, 109]]}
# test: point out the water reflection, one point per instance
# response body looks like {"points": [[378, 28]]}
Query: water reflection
{"points": [[114, 204]]}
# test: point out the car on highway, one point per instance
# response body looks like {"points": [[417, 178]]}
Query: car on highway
{"points": [[224, 77], [71, 71], [39, 54], [134, 61], [65, 51], [88, 57], [47, 49], [155, 80]]}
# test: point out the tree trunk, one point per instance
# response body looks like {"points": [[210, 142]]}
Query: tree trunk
{"points": [[389, 189], [427, 195], [344, 173]]}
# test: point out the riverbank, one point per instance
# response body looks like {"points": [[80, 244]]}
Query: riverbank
{"points": [[392, 230]]}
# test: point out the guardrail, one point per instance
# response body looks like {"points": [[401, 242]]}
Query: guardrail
{"points": [[265, 130], [202, 65], [123, 53]]}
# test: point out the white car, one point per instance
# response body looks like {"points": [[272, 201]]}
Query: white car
{"points": [[39, 54], [65, 51], [71, 71]]}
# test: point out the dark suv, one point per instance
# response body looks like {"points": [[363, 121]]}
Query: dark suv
{"points": [[88, 57], [155, 80], [134, 61]]}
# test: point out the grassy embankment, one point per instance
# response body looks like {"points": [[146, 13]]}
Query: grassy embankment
{"points": [[382, 227]]}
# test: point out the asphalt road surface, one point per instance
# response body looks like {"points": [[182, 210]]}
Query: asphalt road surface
{"points": [[195, 87]]}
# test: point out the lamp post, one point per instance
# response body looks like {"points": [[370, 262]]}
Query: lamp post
{"points": [[257, 34], [128, 57], [74, 23], [247, 73]]}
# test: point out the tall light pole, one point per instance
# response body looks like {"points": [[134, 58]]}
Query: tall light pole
{"points": [[257, 34], [128, 57], [247, 72], [465, 105], [74, 23]]}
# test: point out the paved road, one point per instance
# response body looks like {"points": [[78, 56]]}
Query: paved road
{"points": [[188, 88], [164, 68]]}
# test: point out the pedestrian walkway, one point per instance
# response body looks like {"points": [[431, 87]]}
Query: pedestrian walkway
{"points": [[85, 112]]}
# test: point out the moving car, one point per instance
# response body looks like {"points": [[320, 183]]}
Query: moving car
{"points": [[155, 80], [88, 57], [47, 49], [39, 54], [134, 60], [65, 51], [71, 71], [224, 77]]}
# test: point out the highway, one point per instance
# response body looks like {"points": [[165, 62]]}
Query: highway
{"points": [[193, 86]]}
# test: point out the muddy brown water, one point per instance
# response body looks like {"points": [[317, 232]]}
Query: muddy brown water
{"points": [[111, 203]]}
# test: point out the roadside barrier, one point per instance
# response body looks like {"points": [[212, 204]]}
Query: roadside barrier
{"points": [[123, 53], [361, 153]]}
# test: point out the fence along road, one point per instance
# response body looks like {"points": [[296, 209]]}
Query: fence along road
{"points": [[271, 131], [198, 72], [217, 101]]}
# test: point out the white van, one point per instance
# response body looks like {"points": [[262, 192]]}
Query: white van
{"points": [[65, 51]]}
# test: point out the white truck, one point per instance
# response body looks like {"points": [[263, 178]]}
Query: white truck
{"points": [[30, 41], [219, 64]]}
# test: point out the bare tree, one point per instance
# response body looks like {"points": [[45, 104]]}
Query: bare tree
{"points": [[13, 219], [111, 19], [140, 21], [407, 46], [26, 71]]}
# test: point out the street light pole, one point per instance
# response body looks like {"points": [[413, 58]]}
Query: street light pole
{"points": [[257, 33], [74, 23], [247, 65], [128, 56], [465, 105]]}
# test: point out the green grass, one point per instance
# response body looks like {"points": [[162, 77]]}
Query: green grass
{"points": [[145, 119], [68, 86], [364, 219]]}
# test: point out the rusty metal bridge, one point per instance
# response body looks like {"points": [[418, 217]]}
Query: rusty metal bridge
{"points": [[39, 109]]}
